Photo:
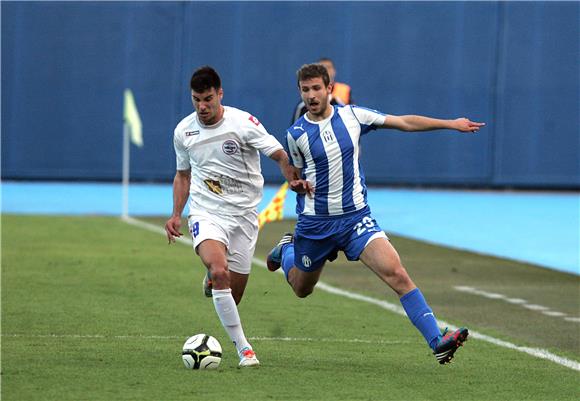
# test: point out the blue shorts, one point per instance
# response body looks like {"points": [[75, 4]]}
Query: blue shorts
{"points": [[319, 238]]}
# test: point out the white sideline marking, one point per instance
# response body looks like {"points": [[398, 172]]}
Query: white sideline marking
{"points": [[92, 336], [515, 300], [536, 307], [522, 302], [554, 313], [154, 337], [536, 352], [329, 340]]}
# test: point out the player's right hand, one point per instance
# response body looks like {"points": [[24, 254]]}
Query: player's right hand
{"points": [[172, 228], [302, 187]]}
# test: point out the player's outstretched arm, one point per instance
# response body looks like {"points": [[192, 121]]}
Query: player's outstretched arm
{"points": [[181, 184], [413, 123]]}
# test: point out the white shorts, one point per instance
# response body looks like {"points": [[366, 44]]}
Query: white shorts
{"points": [[238, 233]]}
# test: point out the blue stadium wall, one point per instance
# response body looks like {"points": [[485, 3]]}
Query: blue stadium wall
{"points": [[513, 65]]}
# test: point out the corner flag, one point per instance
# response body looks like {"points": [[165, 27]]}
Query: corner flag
{"points": [[132, 119], [275, 209], [132, 132]]}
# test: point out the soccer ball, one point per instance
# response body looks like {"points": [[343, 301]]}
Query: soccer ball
{"points": [[202, 352]]}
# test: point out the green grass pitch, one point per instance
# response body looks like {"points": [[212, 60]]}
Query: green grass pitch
{"points": [[96, 309]]}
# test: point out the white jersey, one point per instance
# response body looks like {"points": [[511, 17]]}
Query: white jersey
{"points": [[224, 161]]}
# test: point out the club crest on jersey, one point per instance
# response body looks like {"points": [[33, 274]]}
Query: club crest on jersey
{"points": [[214, 186], [327, 136], [254, 120], [230, 147]]}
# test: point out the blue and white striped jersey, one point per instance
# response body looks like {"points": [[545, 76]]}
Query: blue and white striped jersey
{"points": [[327, 151]]}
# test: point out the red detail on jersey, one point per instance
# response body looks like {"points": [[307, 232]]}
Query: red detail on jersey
{"points": [[254, 120]]}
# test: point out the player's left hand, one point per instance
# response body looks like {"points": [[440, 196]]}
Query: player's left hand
{"points": [[465, 125]]}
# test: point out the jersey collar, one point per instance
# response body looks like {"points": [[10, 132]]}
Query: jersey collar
{"points": [[327, 119], [220, 122]]}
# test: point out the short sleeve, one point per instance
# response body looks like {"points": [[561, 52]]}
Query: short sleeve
{"points": [[258, 138], [296, 158], [369, 119], [181, 154]]}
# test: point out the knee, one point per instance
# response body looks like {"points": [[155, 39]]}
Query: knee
{"points": [[399, 273], [303, 292], [219, 275], [400, 280]]}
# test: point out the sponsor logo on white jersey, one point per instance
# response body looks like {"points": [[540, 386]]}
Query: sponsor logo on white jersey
{"points": [[254, 120], [214, 186]]}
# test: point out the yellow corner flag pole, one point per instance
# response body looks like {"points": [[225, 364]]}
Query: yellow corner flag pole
{"points": [[132, 131], [275, 209]]}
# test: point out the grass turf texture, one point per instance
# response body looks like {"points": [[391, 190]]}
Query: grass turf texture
{"points": [[95, 309]]}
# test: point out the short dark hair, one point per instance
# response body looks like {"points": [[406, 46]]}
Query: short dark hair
{"points": [[205, 78], [309, 71]]}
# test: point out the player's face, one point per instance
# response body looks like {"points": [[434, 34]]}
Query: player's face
{"points": [[315, 96], [208, 105]]}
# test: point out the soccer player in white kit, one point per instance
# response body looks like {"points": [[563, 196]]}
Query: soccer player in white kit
{"points": [[218, 169]]}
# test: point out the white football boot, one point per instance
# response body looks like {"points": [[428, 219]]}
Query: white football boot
{"points": [[248, 358]]}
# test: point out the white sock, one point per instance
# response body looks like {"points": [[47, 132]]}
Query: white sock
{"points": [[227, 310]]}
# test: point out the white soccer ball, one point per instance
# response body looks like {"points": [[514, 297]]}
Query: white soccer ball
{"points": [[201, 352]]}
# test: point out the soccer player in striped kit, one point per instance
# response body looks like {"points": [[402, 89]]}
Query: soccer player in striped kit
{"points": [[333, 214]]}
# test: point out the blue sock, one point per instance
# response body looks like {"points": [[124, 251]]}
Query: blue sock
{"points": [[287, 258], [422, 316]]}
